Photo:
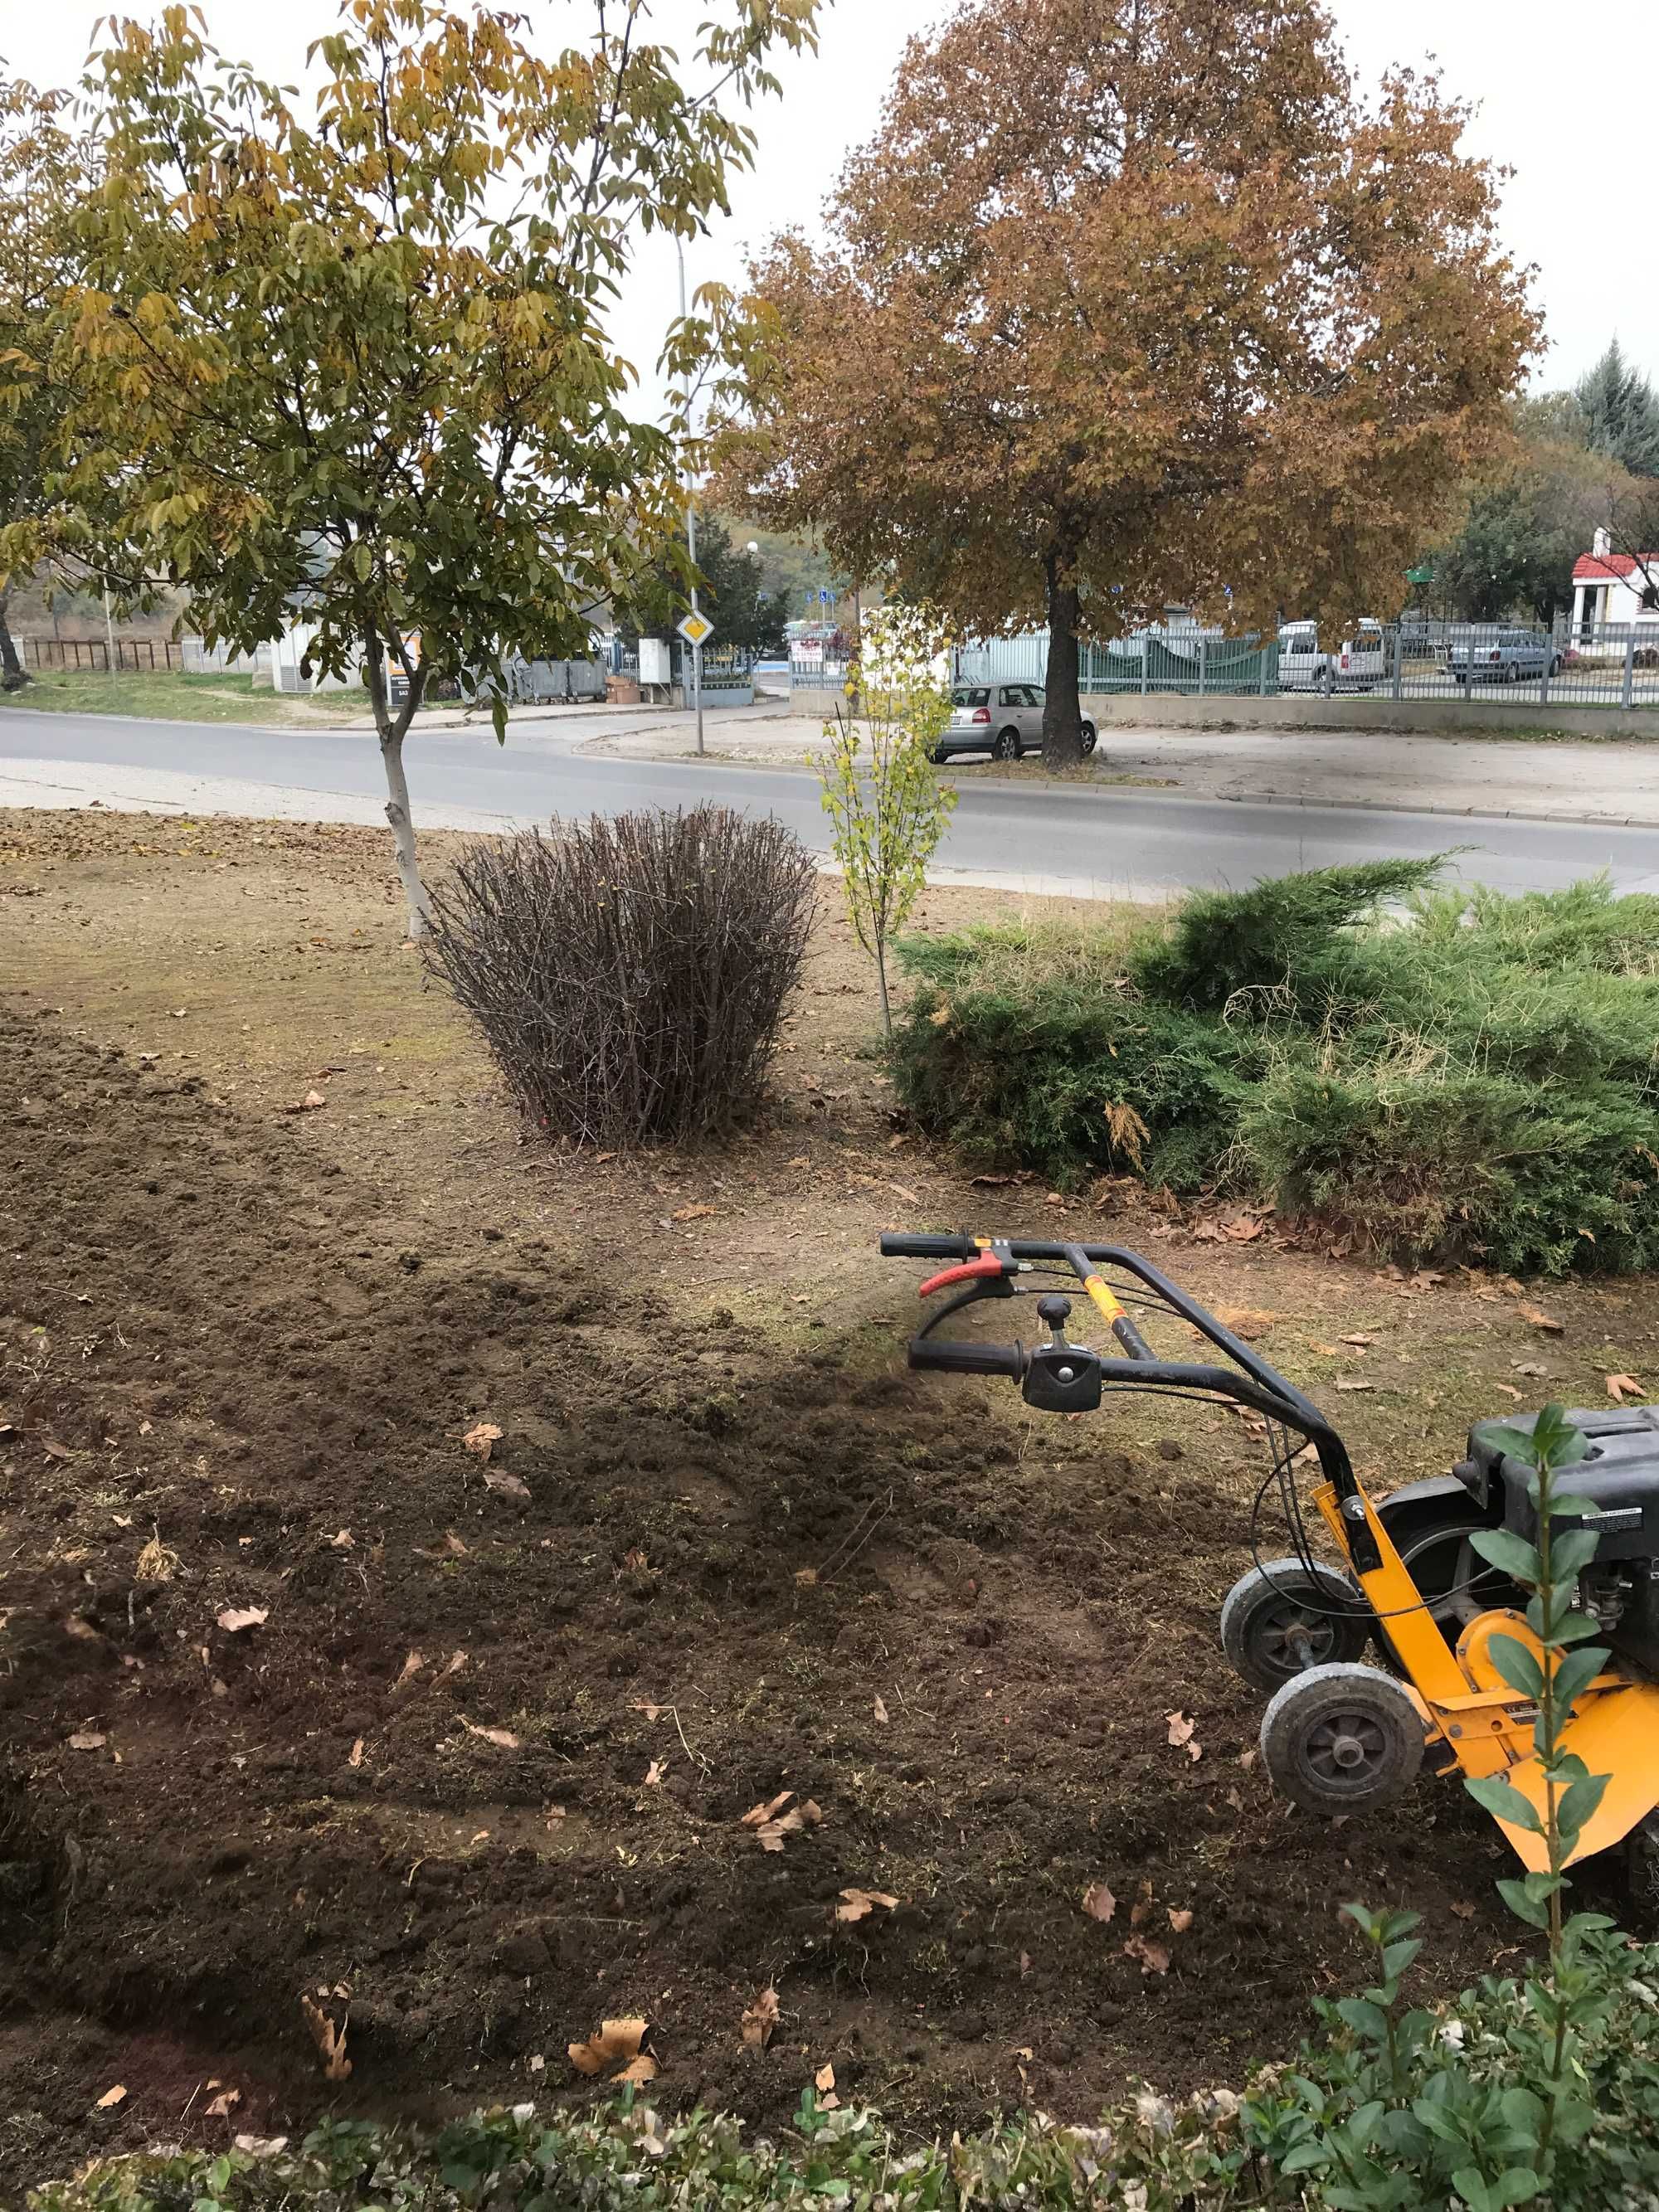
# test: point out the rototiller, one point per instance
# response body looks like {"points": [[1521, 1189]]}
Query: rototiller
{"points": [[1338, 1733]]}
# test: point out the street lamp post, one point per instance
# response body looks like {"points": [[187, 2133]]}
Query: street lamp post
{"points": [[691, 536]]}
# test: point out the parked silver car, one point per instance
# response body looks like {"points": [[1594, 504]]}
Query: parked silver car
{"points": [[1503, 656], [1003, 720]]}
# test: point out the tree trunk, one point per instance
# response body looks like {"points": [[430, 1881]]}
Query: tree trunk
{"points": [[12, 674], [390, 730], [1062, 717]]}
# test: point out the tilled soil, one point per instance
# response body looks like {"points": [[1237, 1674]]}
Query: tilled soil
{"points": [[474, 1778]]}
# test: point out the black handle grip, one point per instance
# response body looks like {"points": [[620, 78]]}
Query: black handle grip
{"points": [[1131, 1339], [896, 1246], [960, 1358]]}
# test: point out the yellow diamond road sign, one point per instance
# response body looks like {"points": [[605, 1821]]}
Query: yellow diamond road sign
{"points": [[696, 630]]}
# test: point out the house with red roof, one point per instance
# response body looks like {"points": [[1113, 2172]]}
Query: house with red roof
{"points": [[1613, 587]]}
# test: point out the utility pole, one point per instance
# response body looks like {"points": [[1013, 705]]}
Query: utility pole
{"points": [[109, 630], [691, 537]]}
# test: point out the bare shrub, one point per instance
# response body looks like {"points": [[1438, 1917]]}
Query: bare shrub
{"points": [[629, 976]]}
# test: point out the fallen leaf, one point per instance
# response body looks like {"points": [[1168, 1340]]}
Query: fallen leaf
{"points": [[1353, 1383], [653, 1774], [1242, 1229], [330, 2041], [481, 1437], [411, 1667], [1540, 1319], [824, 2082], [1463, 1911], [644, 1705], [222, 2105], [308, 1104], [342, 1542], [1621, 1387], [262, 2146], [1154, 1959], [858, 1903], [1235, 1801], [1098, 1902], [234, 1620], [758, 1815], [535, 2063], [1141, 1910], [88, 1739], [1508, 1390], [806, 1578], [881, 1712], [694, 1213], [506, 1485], [504, 1737], [642, 2069], [357, 1758], [1325, 1351], [617, 2040], [772, 1833], [53, 1449], [1181, 1729], [111, 2098], [1181, 1919], [1529, 1367], [1359, 1336], [453, 1544], [600, 1158], [760, 2019]]}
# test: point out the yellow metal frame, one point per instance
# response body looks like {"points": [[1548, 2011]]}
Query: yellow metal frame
{"points": [[1485, 1725]]}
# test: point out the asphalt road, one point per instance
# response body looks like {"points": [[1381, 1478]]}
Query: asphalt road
{"points": [[1115, 839]]}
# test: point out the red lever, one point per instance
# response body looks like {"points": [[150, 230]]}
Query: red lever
{"points": [[969, 1272]]}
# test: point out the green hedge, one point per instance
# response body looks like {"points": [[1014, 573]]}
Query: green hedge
{"points": [[1438, 1073], [1316, 2135]]}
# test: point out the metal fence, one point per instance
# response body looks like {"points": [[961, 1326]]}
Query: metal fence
{"points": [[1580, 664], [536, 683]]}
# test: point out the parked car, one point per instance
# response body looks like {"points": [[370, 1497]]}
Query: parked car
{"points": [[1356, 664], [1003, 720], [1504, 656]]}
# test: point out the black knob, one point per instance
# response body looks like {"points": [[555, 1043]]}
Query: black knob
{"points": [[1052, 1311]]}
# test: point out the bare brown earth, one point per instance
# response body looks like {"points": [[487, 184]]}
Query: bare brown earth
{"points": [[475, 1779]]}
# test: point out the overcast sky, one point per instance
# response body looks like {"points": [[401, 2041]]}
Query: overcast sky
{"points": [[1568, 113]]}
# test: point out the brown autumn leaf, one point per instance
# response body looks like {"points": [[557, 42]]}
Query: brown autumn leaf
{"points": [[1540, 1319], [224, 2104], [881, 1712], [88, 1739], [642, 2069], [453, 1545], [1180, 1918], [234, 1620], [1242, 1228], [1141, 1910], [1508, 1390], [618, 2041], [858, 1903], [111, 2098], [758, 1815], [1353, 1382], [772, 1834], [330, 2041], [1181, 1734], [411, 1667], [1463, 1911], [308, 1104], [1621, 1387], [1529, 1367], [503, 1737], [1359, 1336], [823, 2082], [644, 1705], [1098, 1902], [1325, 1351], [653, 1774], [806, 1578], [694, 1212], [1153, 1957], [760, 2019], [505, 1484], [481, 1438]]}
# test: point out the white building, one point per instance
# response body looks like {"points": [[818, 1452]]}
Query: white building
{"points": [[1613, 587]]}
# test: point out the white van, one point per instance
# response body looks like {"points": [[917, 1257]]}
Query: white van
{"points": [[1359, 663]]}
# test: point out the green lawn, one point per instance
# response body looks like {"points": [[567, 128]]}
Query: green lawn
{"points": [[172, 696]]}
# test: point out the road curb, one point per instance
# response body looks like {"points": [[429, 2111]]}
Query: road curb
{"points": [[600, 748]]}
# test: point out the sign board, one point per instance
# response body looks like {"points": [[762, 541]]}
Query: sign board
{"points": [[696, 630]]}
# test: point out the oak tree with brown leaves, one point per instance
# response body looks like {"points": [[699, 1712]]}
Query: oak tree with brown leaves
{"points": [[1132, 302]]}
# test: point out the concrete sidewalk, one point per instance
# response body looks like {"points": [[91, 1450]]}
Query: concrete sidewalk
{"points": [[1602, 781]]}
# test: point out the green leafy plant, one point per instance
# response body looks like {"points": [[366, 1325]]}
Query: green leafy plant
{"points": [[880, 785]]}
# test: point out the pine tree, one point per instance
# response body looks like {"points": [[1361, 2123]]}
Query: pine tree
{"points": [[1621, 414]]}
